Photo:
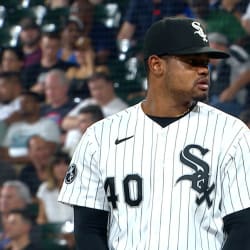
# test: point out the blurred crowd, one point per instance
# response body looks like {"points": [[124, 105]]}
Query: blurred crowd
{"points": [[66, 64]]}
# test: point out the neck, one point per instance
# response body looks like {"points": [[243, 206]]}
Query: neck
{"points": [[166, 106], [47, 62], [20, 243]]}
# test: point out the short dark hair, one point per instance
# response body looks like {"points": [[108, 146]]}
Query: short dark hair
{"points": [[52, 34], [17, 50], [11, 75], [60, 156], [100, 75], [35, 96], [24, 213], [94, 110]]}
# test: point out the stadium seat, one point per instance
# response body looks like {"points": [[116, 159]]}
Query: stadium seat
{"points": [[52, 239], [9, 35], [56, 16], [109, 14]]}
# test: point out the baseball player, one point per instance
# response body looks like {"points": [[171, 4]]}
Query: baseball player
{"points": [[171, 172]]}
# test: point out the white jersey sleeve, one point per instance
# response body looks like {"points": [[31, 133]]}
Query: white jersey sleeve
{"points": [[235, 172], [83, 185]]}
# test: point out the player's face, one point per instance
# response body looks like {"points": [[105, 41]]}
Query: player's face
{"points": [[187, 77]]}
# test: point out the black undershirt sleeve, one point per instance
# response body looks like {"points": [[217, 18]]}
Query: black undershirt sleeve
{"points": [[237, 229], [90, 228]]}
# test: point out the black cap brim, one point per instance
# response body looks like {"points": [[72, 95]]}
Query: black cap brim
{"points": [[212, 53]]}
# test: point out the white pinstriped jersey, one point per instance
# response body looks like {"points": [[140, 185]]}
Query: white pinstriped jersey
{"points": [[166, 188]]}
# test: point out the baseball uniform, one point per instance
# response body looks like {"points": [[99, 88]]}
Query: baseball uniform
{"points": [[165, 187]]}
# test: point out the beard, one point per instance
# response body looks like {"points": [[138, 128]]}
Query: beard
{"points": [[201, 98]]}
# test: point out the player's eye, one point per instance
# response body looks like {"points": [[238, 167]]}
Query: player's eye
{"points": [[195, 62]]}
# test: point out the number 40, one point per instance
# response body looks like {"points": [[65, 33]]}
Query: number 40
{"points": [[109, 187]]}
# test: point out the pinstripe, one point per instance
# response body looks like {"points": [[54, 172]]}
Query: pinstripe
{"points": [[167, 217]]}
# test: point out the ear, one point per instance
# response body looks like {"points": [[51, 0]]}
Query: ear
{"points": [[155, 65]]}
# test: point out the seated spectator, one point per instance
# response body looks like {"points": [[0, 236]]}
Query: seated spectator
{"points": [[102, 93], [225, 71], [70, 32], [14, 146], [78, 75], [10, 90], [57, 102], [50, 44], [29, 37], [12, 59], [35, 172], [19, 227], [103, 38], [86, 117], [51, 211], [14, 195]]}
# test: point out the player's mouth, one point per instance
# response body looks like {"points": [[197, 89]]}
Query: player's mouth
{"points": [[202, 84]]}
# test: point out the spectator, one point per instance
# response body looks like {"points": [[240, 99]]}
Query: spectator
{"points": [[70, 32], [217, 20], [12, 59], [14, 147], [86, 117], [50, 44], [243, 81], [78, 75], [30, 41], [14, 195], [50, 211], [10, 90], [18, 230], [225, 71], [103, 38], [103, 94], [141, 14], [34, 173], [57, 102]]}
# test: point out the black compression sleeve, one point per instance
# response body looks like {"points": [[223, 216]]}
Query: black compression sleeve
{"points": [[237, 228], [90, 228]]}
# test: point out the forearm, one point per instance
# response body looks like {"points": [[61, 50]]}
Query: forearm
{"points": [[90, 228], [237, 228]]}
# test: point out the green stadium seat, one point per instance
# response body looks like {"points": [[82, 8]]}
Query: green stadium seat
{"points": [[109, 14]]}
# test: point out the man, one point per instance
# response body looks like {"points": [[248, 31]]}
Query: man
{"points": [[50, 44], [14, 147], [29, 36], [18, 229], [170, 172], [102, 93], [224, 72], [57, 101], [14, 195], [35, 172]]}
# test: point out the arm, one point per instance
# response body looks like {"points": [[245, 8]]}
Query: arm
{"points": [[229, 93], [237, 229], [90, 228], [41, 217], [126, 32], [69, 122]]}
